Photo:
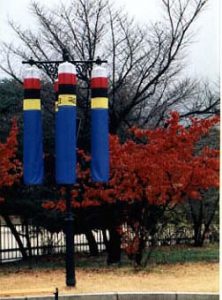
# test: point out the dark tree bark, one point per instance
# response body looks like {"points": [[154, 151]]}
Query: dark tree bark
{"points": [[198, 240], [139, 254], [105, 240], [93, 248], [16, 235], [114, 248], [27, 236]]}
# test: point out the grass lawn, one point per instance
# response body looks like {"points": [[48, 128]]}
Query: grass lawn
{"points": [[182, 254], [178, 268]]}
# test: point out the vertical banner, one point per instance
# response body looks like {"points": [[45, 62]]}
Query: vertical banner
{"points": [[66, 125], [33, 166], [99, 125]]}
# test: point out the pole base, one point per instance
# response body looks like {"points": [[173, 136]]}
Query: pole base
{"points": [[70, 282]]}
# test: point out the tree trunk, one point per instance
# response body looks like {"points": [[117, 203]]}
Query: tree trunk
{"points": [[114, 248], [105, 240], [93, 248], [139, 254], [28, 238], [16, 235], [198, 240]]}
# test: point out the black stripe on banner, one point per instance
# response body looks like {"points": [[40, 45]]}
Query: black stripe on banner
{"points": [[99, 92], [67, 89], [31, 93]]}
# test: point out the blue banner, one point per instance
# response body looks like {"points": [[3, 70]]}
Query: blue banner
{"points": [[99, 145], [66, 145], [33, 167]]}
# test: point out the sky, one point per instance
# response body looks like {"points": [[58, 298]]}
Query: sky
{"points": [[203, 55]]}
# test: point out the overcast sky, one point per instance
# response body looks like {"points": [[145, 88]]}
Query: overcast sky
{"points": [[203, 59]]}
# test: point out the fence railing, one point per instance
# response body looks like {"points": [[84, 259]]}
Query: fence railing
{"points": [[41, 242]]}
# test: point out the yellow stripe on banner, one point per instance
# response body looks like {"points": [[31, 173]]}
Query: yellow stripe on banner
{"points": [[31, 104], [99, 102], [56, 106], [67, 100]]}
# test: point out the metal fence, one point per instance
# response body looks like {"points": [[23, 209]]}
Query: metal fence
{"points": [[42, 242]]}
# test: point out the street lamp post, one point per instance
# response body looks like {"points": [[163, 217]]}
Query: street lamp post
{"points": [[51, 68]]}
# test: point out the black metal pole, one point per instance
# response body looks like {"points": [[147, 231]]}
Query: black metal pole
{"points": [[70, 259]]}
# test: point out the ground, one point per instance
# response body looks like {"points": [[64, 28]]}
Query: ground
{"points": [[93, 276]]}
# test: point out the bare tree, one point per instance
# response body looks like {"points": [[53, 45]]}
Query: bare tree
{"points": [[205, 102], [145, 61]]}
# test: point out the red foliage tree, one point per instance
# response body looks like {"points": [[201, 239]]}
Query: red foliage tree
{"points": [[158, 168], [161, 166], [10, 166]]}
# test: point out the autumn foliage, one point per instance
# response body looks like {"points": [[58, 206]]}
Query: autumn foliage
{"points": [[150, 172], [159, 166], [10, 166]]}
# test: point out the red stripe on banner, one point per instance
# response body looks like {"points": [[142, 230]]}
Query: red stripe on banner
{"points": [[65, 78], [56, 86], [31, 83], [99, 82]]}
